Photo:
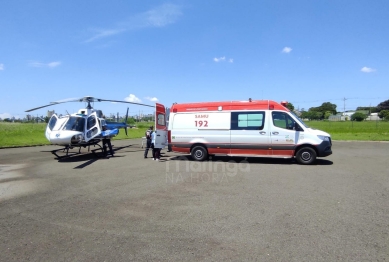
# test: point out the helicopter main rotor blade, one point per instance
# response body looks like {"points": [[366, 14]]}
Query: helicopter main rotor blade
{"points": [[118, 101], [87, 99], [51, 104]]}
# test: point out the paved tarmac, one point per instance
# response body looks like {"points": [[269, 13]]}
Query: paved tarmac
{"points": [[128, 208]]}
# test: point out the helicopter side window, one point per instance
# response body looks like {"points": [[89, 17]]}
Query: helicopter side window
{"points": [[91, 132], [91, 122], [52, 122]]}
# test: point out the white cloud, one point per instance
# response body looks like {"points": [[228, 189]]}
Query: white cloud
{"points": [[39, 64], [163, 15], [286, 50], [152, 99], [1, 67], [132, 98], [105, 33], [54, 64], [223, 59], [5, 115], [160, 16], [220, 59], [367, 69]]}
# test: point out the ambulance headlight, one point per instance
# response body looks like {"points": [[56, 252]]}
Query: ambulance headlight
{"points": [[324, 138], [77, 139]]}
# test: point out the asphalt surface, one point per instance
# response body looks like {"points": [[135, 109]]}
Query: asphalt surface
{"points": [[127, 208]]}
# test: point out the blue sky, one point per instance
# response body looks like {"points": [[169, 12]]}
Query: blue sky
{"points": [[306, 52]]}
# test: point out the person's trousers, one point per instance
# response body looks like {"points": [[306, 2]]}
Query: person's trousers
{"points": [[148, 146]]}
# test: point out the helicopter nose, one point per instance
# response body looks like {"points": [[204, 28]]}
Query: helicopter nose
{"points": [[62, 137]]}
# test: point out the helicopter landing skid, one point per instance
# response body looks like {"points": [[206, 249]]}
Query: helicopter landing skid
{"points": [[66, 148]]}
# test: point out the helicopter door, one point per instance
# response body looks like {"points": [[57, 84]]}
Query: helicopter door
{"points": [[92, 127], [51, 125], [160, 126]]}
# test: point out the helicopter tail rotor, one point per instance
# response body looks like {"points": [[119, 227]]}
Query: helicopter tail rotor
{"points": [[125, 128]]}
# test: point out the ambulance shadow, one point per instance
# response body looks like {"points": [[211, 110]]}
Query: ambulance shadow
{"points": [[251, 160]]}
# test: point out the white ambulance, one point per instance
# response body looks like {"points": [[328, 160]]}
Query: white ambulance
{"points": [[244, 128]]}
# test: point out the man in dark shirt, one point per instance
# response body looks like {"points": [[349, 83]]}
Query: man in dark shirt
{"points": [[107, 141], [148, 140]]}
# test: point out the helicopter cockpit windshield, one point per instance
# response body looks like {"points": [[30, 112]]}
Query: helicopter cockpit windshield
{"points": [[75, 124]]}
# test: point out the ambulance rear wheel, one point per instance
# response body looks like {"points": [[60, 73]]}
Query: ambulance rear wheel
{"points": [[199, 153], [306, 156]]}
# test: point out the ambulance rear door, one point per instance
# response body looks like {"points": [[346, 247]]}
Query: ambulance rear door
{"points": [[160, 126]]}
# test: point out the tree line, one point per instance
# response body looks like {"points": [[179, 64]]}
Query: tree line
{"points": [[327, 109]]}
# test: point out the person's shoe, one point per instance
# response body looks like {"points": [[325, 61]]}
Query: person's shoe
{"points": [[157, 159], [145, 156]]}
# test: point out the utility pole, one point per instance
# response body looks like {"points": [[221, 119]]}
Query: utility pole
{"points": [[344, 104], [344, 107]]}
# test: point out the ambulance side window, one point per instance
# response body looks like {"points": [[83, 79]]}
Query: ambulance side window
{"points": [[161, 119], [247, 120], [283, 120]]}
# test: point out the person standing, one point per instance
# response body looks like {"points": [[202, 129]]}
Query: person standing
{"points": [[148, 134], [156, 149], [107, 141]]}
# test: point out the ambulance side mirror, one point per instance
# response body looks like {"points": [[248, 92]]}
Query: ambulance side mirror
{"points": [[297, 127]]}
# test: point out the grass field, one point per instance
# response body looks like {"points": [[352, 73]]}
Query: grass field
{"points": [[351, 130], [28, 134], [19, 134]]}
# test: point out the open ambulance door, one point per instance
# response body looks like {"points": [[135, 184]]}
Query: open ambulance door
{"points": [[92, 127], [160, 126]]}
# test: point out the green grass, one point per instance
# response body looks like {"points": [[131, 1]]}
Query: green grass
{"points": [[351, 130], [28, 134]]}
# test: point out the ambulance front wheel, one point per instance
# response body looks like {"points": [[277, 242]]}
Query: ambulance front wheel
{"points": [[306, 156], [199, 153]]}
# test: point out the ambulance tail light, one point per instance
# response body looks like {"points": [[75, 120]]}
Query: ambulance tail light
{"points": [[271, 107], [169, 138]]}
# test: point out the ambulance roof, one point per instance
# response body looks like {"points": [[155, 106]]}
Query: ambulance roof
{"points": [[228, 105]]}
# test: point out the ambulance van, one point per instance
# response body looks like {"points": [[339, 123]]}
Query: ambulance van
{"points": [[250, 128]]}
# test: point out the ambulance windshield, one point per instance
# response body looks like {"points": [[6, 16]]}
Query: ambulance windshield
{"points": [[299, 119]]}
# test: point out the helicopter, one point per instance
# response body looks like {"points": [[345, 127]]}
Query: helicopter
{"points": [[84, 128]]}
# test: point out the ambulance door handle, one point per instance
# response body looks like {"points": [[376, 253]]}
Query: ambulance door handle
{"points": [[262, 133], [275, 133]]}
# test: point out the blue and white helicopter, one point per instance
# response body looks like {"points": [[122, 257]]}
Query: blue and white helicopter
{"points": [[84, 128]]}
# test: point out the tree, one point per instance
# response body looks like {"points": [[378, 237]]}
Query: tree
{"points": [[358, 116], [305, 115], [327, 114], [326, 106], [384, 114], [290, 106], [371, 109], [131, 121], [383, 106]]}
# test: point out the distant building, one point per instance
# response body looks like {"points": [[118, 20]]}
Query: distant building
{"points": [[50, 113], [373, 117], [338, 117], [347, 116]]}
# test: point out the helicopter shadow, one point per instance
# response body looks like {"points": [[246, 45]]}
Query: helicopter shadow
{"points": [[87, 157]]}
